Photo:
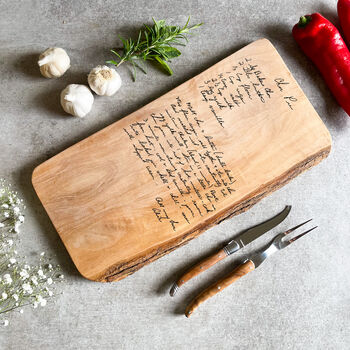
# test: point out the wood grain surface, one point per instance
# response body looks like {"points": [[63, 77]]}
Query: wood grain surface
{"points": [[203, 265], [220, 285], [207, 150]]}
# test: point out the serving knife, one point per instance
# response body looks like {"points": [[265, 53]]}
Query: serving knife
{"points": [[233, 246]]}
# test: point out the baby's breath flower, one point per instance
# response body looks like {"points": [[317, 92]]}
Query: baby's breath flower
{"points": [[16, 228], [27, 288], [41, 300], [24, 274], [20, 284], [7, 278]]}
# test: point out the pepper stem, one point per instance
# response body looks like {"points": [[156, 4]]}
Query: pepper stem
{"points": [[304, 20]]}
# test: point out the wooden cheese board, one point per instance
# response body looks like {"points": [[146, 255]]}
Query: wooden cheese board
{"points": [[209, 149]]}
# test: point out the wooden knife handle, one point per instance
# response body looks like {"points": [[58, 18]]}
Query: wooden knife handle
{"points": [[215, 288], [197, 269]]}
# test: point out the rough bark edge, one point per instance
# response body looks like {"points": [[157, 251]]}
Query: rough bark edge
{"points": [[122, 270]]}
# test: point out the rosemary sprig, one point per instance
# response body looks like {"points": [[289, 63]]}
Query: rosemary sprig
{"points": [[154, 43]]}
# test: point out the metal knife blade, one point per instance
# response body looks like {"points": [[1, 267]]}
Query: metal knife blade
{"points": [[253, 233]]}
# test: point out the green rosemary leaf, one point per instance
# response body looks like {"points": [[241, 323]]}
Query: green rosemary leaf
{"points": [[116, 53], [139, 66], [154, 42], [112, 62], [164, 65], [170, 52]]}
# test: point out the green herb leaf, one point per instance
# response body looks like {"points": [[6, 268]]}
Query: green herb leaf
{"points": [[164, 65], [155, 43], [170, 52]]}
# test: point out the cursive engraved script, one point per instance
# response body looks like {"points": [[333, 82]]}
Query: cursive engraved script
{"points": [[177, 152]]}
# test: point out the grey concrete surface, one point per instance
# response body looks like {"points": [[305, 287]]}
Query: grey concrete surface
{"points": [[299, 299]]}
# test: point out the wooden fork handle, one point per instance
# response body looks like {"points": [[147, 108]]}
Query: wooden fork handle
{"points": [[200, 267], [215, 288]]}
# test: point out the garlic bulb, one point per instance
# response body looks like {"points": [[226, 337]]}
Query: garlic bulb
{"points": [[53, 62], [77, 100], [105, 81]]}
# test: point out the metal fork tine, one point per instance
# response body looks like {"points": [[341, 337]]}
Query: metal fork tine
{"points": [[301, 235], [294, 228]]}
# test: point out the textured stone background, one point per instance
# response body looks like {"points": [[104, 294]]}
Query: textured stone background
{"points": [[299, 299]]}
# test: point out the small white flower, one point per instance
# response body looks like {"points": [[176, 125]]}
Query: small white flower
{"points": [[49, 281], [24, 274], [42, 253], [15, 296], [6, 214], [41, 300], [50, 293], [3, 296], [41, 273], [27, 288], [27, 267], [16, 210], [1, 225], [17, 225], [6, 323], [61, 276], [35, 304], [21, 218], [34, 279], [12, 260], [49, 266], [10, 242], [7, 278], [21, 311], [5, 206]]}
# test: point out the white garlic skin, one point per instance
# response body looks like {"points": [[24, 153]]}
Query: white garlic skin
{"points": [[54, 62], [104, 81], [77, 100]]}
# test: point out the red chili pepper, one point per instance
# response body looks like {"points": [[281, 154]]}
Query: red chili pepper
{"points": [[344, 17], [323, 44]]}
